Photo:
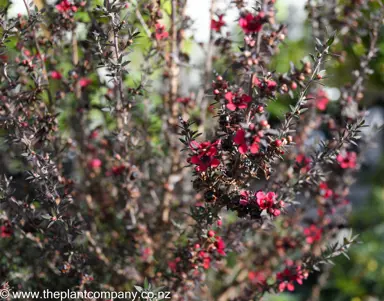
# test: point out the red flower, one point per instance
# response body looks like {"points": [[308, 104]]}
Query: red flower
{"points": [[325, 191], [94, 163], [118, 170], [160, 32], [216, 25], [84, 82], [173, 264], [206, 263], [6, 230], [183, 100], [240, 140], [313, 233], [94, 134], [206, 259], [56, 75], [237, 102], [244, 198], [348, 160], [265, 201], [257, 278], [321, 100], [252, 23], [220, 245], [288, 276], [267, 86], [303, 161], [65, 6], [205, 157]]}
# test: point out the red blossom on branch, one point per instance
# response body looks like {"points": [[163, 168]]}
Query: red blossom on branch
{"points": [[251, 23], [205, 156], [347, 160], [95, 163], [235, 101], [304, 162], [257, 278], [287, 278], [216, 25], [244, 198], [84, 82], [6, 230], [56, 75], [325, 191], [160, 32], [65, 6], [220, 246], [267, 86], [241, 141], [313, 234], [321, 100], [265, 201]]}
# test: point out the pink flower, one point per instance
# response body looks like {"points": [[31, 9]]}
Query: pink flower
{"points": [[206, 259], [267, 86], [257, 278], [205, 156], [237, 102], [244, 198], [160, 32], [56, 75], [321, 100], [84, 82], [252, 23], [313, 234], [206, 263], [303, 161], [348, 160], [288, 276], [216, 25], [94, 163], [65, 6], [265, 201], [146, 254], [325, 191]]}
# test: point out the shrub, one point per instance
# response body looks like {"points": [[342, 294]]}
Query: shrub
{"points": [[98, 158]]}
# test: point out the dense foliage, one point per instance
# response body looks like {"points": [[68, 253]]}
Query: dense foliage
{"points": [[116, 171]]}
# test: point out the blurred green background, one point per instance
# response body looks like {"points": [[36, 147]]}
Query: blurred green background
{"points": [[362, 277]]}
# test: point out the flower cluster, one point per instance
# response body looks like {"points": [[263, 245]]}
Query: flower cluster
{"points": [[289, 276], [205, 155], [200, 254], [217, 24], [251, 23]]}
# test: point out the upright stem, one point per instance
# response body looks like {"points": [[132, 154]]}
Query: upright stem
{"points": [[201, 100], [45, 73], [119, 101], [172, 111], [174, 68]]}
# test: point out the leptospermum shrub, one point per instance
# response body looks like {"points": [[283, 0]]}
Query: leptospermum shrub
{"points": [[116, 171]]}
